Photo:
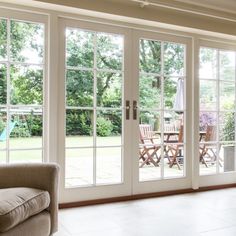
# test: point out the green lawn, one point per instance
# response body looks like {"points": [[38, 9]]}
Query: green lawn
{"points": [[23, 143], [73, 141]]}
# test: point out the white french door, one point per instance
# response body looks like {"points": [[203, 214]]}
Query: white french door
{"points": [[95, 153], [113, 80], [217, 82], [162, 152]]}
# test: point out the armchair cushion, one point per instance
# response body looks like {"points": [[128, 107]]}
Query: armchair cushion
{"points": [[18, 204]]}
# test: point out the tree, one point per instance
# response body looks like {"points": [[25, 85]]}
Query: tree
{"points": [[3, 55], [80, 52], [80, 48], [27, 82]]}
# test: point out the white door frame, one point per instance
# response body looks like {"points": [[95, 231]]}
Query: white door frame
{"points": [[101, 191], [166, 184], [221, 178]]}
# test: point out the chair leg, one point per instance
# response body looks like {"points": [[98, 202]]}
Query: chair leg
{"points": [[174, 159], [149, 158], [215, 158], [201, 158], [142, 156]]}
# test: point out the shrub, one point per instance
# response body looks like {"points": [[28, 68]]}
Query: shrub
{"points": [[2, 125], [78, 123], [229, 128], [104, 127], [206, 118], [36, 126]]}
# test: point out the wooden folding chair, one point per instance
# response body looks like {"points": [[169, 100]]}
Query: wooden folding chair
{"points": [[208, 150], [175, 149], [147, 147]]}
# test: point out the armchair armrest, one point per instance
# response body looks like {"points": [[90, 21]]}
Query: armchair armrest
{"points": [[41, 176]]}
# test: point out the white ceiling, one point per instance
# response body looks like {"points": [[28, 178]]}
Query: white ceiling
{"points": [[222, 5]]}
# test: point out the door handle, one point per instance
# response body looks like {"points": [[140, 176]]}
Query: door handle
{"points": [[127, 109], [135, 110]]}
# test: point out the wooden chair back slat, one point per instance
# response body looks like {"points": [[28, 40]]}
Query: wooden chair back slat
{"points": [[210, 133], [181, 134], [145, 131]]}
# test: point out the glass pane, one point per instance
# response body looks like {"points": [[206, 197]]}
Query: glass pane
{"points": [[150, 91], [26, 85], [227, 157], [3, 39], [109, 128], [109, 89], [208, 61], [227, 65], [3, 83], [149, 159], [208, 95], [109, 51], [174, 144], [79, 167], [26, 128], [26, 156], [149, 169], [208, 158], [151, 118], [174, 158], [79, 128], [79, 88], [207, 118], [173, 121], [150, 56], [227, 126], [108, 165], [208, 146], [2, 157], [149, 145], [227, 96], [79, 48], [27, 42], [3, 131], [174, 55], [174, 93]]}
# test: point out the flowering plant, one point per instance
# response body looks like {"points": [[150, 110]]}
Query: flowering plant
{"points": [[206, 118]]}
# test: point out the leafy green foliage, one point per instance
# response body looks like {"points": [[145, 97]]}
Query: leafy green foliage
{"points": [[3, 39], [229, 128], [2, 124], [78, 122], [79, 48], [27, 82], [150, 56], [79, 88], [109, 55], [104, 127], [27, 85], [27, 125], [27, 42], [3, 84], [109, 51]]}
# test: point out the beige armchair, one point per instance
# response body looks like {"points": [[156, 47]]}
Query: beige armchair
{"points": [[37, 186]]}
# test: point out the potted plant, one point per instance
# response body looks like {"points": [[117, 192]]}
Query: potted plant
{"points": [[229, 150]]}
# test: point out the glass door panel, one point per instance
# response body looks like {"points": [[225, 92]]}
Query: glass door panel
{"points": [[162, 109], [217, 111], [94, 113], [22, 103]]}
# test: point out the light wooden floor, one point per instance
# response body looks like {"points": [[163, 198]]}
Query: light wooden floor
{"points": [[211, 213]]}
